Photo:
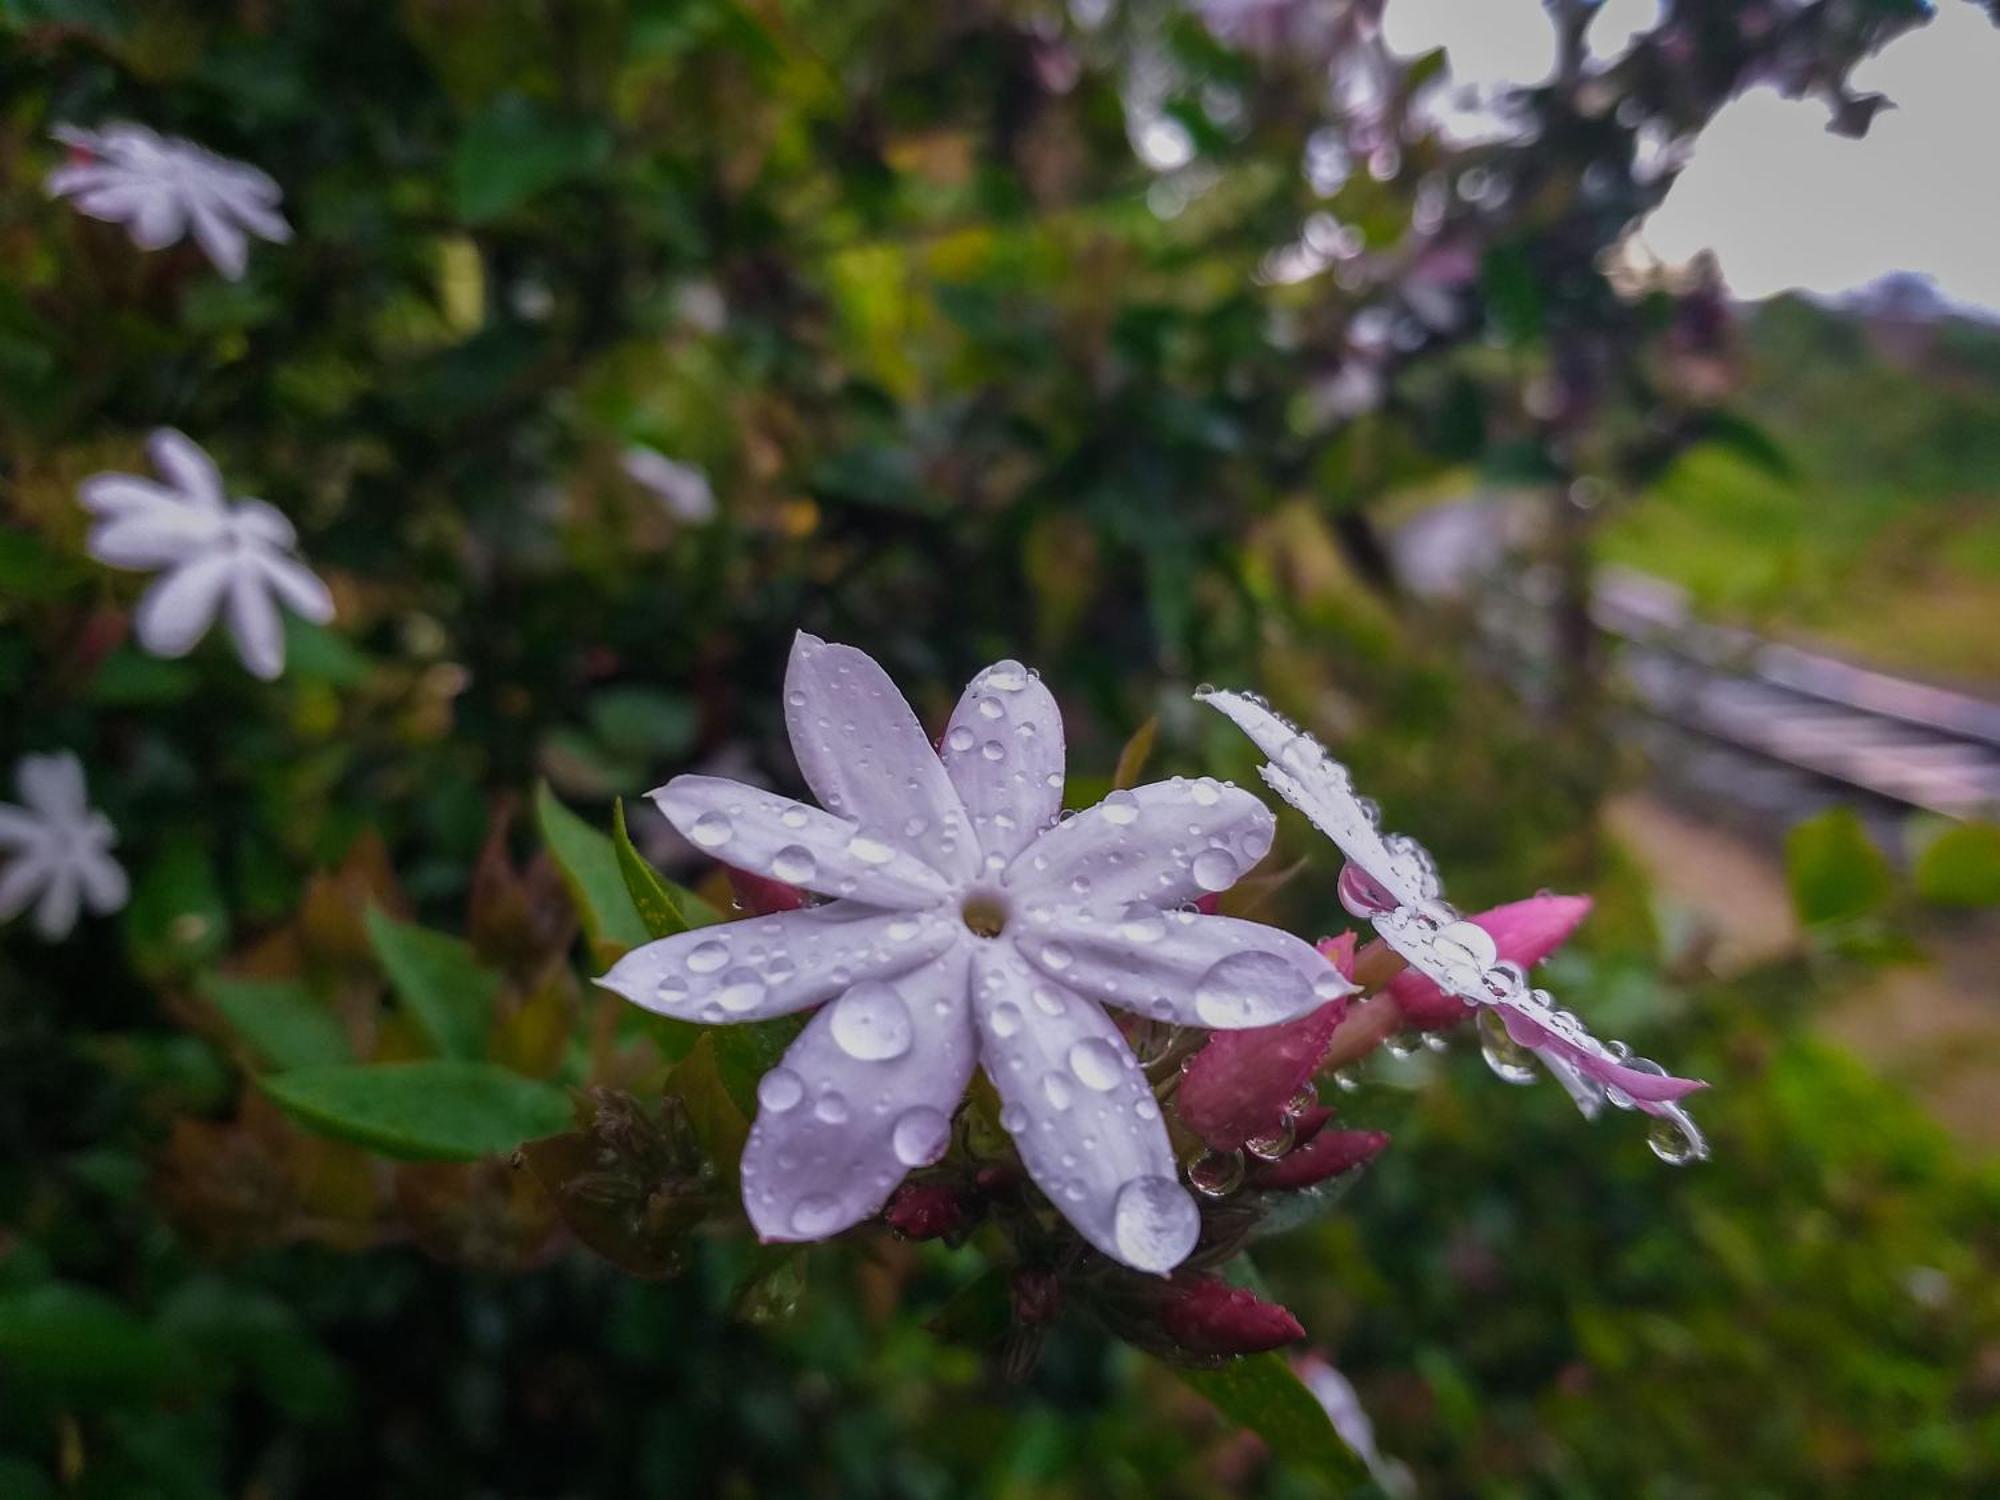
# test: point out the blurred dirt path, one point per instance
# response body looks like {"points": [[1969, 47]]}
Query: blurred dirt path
{"points": [[1933, 1028]]}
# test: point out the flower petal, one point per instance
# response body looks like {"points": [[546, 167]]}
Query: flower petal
{"points": [[53, 786], [186, 466], [865, 756], [297, 587], [225, 245], [865, 1094], [254, 623], [1082, 1114], [22, 881], [266, 523], [769, 834], [1164, 843], [1523, 932], [19, 828], [105, 887], [112, 497], [55, 913], [771, 966], [161, 219], [1184, 967], [178, 609], [1004, 754], [157, 537]]}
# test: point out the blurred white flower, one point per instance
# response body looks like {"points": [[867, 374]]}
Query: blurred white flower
{"points": [[161, 189], [57, 850], [968, 925], [241, 559], [682, 488]]}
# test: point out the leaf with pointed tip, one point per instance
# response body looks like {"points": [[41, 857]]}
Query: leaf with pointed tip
{"points": [[435, 1109], [280, 1021], [1138, 750], [442, 986], [1262, 1393], [590, 869]]}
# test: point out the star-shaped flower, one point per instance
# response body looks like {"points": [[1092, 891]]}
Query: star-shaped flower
{"points": [[161, 189], [241, 558], [57, 849], [971, 924]]}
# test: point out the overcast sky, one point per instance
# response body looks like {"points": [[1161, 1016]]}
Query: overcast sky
{"points": [[1782, 202]]}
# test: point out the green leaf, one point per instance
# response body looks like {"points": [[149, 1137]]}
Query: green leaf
{"points": [[449, 995], [590, 868], [720, 1119], [515, 151], [1260, 1392], [280, 1020], [1961, 866], [664, 907], [1836, 872], [58, 1333], [437, 1110]]}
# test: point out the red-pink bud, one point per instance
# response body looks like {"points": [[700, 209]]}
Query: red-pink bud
{"points": [[1525, 932], [1327, 1153], [1209, 903], [1204, 1315], [1237, 1086], [925, 1211], [760, 895]]}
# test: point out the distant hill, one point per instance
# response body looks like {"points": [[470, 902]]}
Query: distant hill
{"points": [[1884, 539]]}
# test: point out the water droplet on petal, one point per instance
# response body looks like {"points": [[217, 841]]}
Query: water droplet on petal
{"points": [[1205, 793], [831, 1107], [794, 864], [780, 1089], [1121, 807], [1272, 1144], [1057, 956], [1214, 869], [1056, 1090], [870, 1023], [1509, 1060], [1006, 677], [993, 750], [960, 739], [1249, 989], [870, 851], [1216, 1174], [706, 958], [1142, 924], [989, 708], [738, 990], [919, 1136], [815, 1215], [1096, 1064], [1674, 1143], [1154, 1223], [1006, 1019], [672, 990], [711, 830]]}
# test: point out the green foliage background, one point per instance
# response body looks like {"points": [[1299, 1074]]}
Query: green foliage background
{"points": [[970, 397]]}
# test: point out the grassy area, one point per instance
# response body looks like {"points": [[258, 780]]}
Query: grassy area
{"points": [[1885, 540]]}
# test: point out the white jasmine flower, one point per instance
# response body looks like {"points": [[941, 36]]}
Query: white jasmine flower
{"points": [[682, 488], [241, 559], [970, 925], [56, 849], [161, 189]]}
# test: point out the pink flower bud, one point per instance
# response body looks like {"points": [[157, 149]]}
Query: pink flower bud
{"points": [[1327, 1153], [1238, 1085], [1205, 1315], [760, 895], [925, 1211], [1525, 932]]}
